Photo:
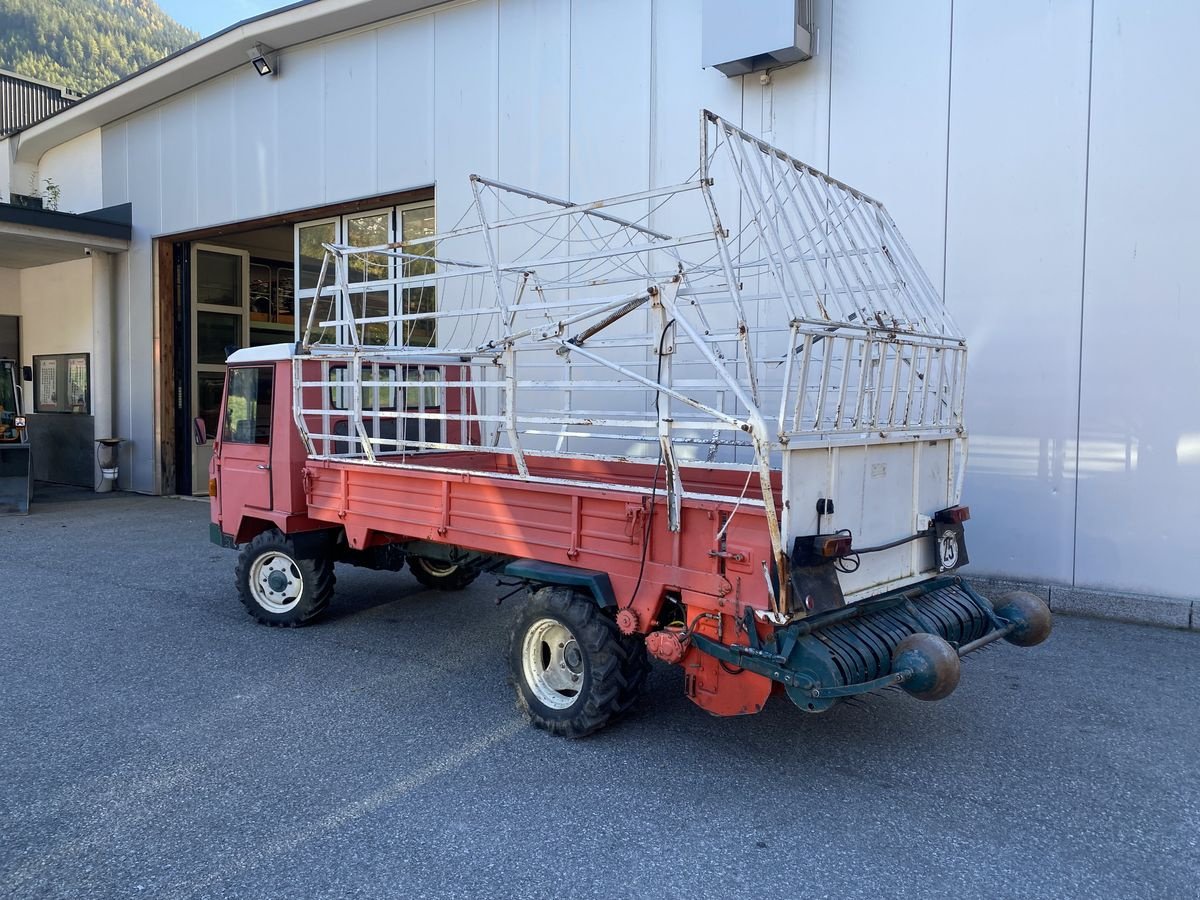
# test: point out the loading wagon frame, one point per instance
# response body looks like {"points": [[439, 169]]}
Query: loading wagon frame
{"points": [[745, 443]]}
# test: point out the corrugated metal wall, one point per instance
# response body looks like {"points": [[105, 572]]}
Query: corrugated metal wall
{"points": [[1034, 153], [24, 101]]}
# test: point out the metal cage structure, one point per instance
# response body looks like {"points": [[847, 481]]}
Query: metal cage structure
{"points": [[758, 308]]}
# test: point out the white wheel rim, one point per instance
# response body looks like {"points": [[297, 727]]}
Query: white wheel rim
{"points": [[437, 570], [276, 582], [552, 663]]}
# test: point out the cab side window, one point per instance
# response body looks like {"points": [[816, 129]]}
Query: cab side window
{"points": [[248, 406]]}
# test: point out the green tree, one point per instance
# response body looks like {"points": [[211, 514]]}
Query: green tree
{"points": [[86, 45]]}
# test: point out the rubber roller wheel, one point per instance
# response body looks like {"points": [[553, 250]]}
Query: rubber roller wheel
{"points": [[1028, 613], [933, 665]]}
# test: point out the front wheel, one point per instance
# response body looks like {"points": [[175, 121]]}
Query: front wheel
{"points": [[278, 585], [574, 671], [441, 576]]}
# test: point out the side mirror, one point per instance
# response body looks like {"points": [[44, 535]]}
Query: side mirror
{"points": [[199, 431]]}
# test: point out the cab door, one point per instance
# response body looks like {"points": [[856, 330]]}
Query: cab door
{"points": [[243, 448]]}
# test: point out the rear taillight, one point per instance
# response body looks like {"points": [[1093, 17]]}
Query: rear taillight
{"points": [[832, 546], [955, 515]]}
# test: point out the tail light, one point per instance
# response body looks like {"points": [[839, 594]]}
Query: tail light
{"points": [[955, 515], [832, 546]]}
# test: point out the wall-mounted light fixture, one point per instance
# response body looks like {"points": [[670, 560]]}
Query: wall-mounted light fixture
{"points": [[264, 59]]}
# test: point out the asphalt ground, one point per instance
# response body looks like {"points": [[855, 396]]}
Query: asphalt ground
{"points": [[155, 741]]}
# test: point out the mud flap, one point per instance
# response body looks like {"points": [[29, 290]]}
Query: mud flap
{"points": [[16, 479]]}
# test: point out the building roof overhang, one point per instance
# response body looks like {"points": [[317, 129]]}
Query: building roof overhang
{"points": [[286, 27], [41, 237]]}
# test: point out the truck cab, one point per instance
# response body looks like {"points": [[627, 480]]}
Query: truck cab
{"points": [[257, 473]]}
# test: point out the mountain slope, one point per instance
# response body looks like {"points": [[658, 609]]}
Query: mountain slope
{"points": [[86, 44]]}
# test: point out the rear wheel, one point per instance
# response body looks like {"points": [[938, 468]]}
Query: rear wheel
{"points": [[574, 671], [441, 576], [280, 586]]}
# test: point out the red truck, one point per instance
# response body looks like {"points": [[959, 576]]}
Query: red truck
{"points": [[738, 453]]}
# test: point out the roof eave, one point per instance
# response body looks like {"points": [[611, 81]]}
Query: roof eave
{"points": [[222, 52]]}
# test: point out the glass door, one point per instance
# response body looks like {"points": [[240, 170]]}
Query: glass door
{"points": [[220, 322]]}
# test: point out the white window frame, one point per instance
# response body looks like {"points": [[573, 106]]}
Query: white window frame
{"points": [[341, 231], [393, 214], [308, 293]]}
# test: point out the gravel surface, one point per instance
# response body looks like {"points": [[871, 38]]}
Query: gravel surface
{"points": [[156, 741]]}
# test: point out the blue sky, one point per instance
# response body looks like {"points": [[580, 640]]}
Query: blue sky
{"points": [[210, 16]]}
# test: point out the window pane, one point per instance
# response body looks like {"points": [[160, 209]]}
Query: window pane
{"points": [[261, 337], [384, 391], [370, 304], [215, 332], [324, 312], [368, 231], [418, 223], [420, 332], [260, 292], [218, 278], [414, 397], [285, 296], [248, 408], [340, 397], [209, 386], [312, 253]]}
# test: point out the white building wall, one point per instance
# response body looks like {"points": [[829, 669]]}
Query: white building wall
{"points": [[1139, 425], [10, 292], [56, 309], [75, 168], [971, 122], [6, 169], [1015, 194]]}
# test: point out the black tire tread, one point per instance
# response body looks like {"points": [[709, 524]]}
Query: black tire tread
{"points": [[619, 663], [319, 581], [455, 581]]}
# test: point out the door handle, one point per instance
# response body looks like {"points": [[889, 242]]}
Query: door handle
{"points": [[264, 467]]}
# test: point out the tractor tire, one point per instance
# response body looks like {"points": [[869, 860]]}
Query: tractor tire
{"points": [[573, 670], [280, 586], [441, 576]]}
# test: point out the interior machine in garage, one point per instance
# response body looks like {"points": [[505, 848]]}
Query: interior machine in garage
{"points": [[16, 471]]}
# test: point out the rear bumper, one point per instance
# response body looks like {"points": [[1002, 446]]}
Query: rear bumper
{"points": [[854, 649]]}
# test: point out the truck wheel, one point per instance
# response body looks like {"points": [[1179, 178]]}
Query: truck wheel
{"points": [[278, 586], [441, 576], [574, 670]]}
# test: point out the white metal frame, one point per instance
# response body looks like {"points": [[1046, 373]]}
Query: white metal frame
{"points": [[341, 225], [201, 455], [789, 312]]}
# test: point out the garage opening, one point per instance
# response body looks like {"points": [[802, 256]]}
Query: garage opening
{"points": [[251, 284]]}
